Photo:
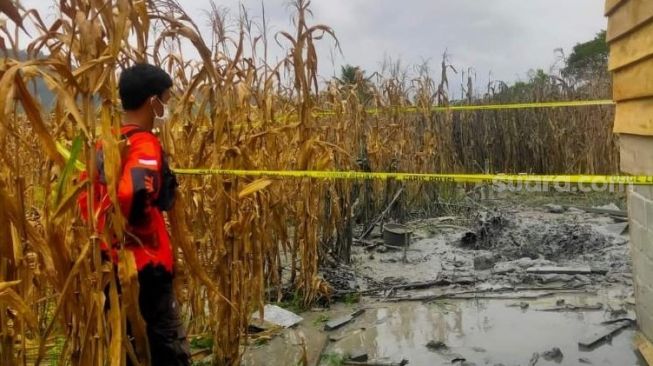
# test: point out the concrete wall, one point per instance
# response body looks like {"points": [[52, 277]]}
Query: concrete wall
{"points": [[630, 34]]}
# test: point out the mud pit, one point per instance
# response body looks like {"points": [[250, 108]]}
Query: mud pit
{"points": [[499, 245], [468, 284]]}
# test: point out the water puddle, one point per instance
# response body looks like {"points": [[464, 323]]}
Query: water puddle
{"points": [[485, 332]]}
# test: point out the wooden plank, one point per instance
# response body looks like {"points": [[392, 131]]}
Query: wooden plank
{"points": [[634, 81], [635, 47], [645, 348], [636, 154], [629, 16], [611, 5], [634, 117]]}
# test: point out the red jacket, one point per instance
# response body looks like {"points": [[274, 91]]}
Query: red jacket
{"points": [[139, 188]]}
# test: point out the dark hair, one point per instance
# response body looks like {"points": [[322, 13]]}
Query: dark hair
{"points": [[141, 82]]}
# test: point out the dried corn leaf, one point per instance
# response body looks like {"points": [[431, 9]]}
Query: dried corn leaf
{"points": [[254, 187], [6, 285]]}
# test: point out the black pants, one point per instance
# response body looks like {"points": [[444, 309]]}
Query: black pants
{"points": [[159, 308]]}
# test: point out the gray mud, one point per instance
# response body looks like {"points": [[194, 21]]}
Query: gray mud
{"points": [[519, 235], [498, 247], [474, 298]]}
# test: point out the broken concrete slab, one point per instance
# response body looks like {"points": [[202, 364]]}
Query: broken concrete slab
{"points": [[339, 322], [606, 333], [278, 316]]}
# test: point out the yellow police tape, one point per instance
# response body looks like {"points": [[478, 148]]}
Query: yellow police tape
{"points": [[423, 177], [577, 103], [420, 177], [288, 117]]}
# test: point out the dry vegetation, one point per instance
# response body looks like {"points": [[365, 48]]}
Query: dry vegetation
{"points": [[240, 242]]}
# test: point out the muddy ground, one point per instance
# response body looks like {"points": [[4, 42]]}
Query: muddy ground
{"points": [[465, 292]]}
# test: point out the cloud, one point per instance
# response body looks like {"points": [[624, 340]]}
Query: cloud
{"points": [[505, 37]]}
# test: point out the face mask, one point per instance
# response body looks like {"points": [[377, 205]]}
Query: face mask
{"points": [[160, 120]]}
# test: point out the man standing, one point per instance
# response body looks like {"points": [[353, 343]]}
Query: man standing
{"points": [[145, 189]]}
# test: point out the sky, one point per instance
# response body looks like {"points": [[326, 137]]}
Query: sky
{"points": [[506, 38]]}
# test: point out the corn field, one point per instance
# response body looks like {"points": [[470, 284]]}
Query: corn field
{"points": [[239, 242]]}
